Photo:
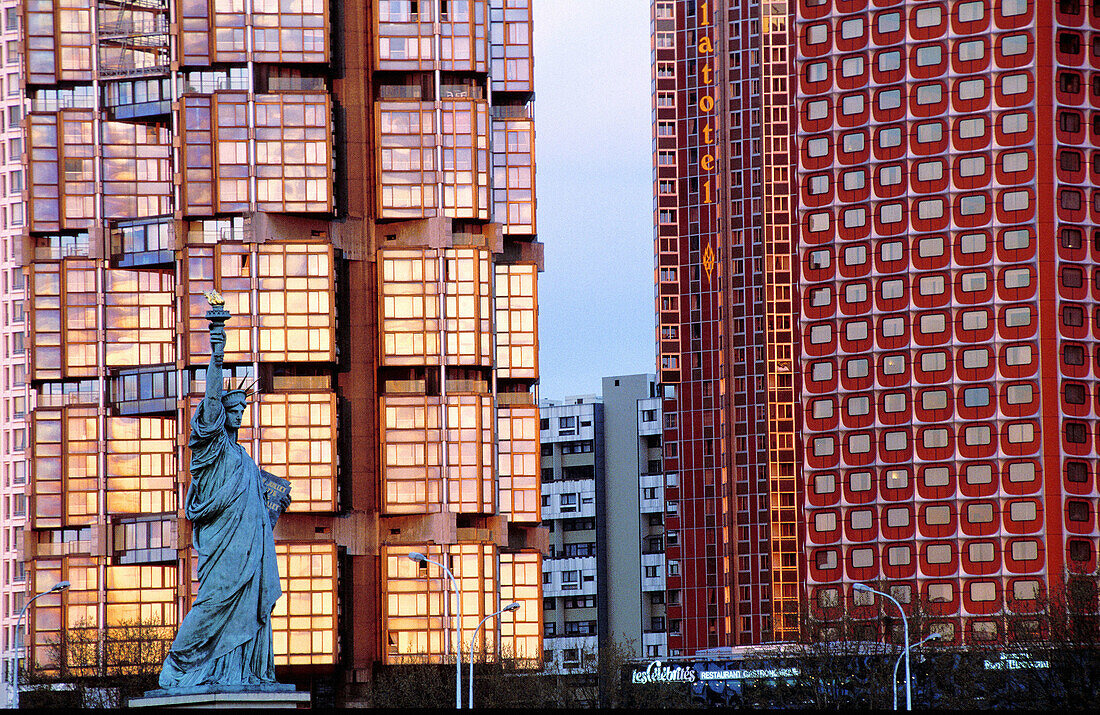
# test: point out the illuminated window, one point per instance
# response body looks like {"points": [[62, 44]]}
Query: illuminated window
{"points": [[851, 66], [1018, 354], [852, 104], [970, 50], [929, 16], [862, 557], [825, 521], [1017, 317], [895, 441], [303, 623], [141, 465], [857, 405], [851, 28], [976, 435], [935, 438], [822, 409], [855, 217], [817, 109], [893, 288], [888, 98], [817, 147], [930, 171], [1016, 200], [981, 552], [972, 282], [1018, 394], [854, 179], [938, 554], [972, 166], [937, 515], [1014, 83], [890, 213], [931, 285], [518, 475], [934, 399], [821, 371], [893, 364], [889, 175], [975, 320], [929, 132], [930, 55], [1025, 550], [821, 333], [933, 323], [972, 205], [887, 62], [889, 22], [1017, 122], [929, 93], [1025, 589]]}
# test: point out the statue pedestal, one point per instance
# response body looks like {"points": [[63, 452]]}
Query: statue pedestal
{"points": [[278, 695]]}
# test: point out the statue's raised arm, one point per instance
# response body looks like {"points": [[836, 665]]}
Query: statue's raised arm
{"points": [[218, 316]]}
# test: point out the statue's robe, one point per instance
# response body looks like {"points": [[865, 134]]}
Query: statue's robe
{"points": [[226, 637]]}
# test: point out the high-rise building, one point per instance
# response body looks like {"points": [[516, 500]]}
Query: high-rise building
{"points": [[725, 319], [632, 576], [13, 354], [946, 243], [915, 174], [603, 502], [573, 475], [356, 179]]}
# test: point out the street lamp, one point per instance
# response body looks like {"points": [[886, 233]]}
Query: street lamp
{"points": [[905, 622], [56, 588], [932, 637], [473, 644], [422, 559]]}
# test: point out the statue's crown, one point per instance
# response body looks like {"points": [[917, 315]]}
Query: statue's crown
{"points": [[245, 390]]}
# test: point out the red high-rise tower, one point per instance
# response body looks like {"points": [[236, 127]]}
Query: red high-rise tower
{"points": [[723, 244], [947, 216], [919, 177]]}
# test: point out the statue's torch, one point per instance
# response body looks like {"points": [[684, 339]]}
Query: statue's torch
{"points": [[217, 315]]}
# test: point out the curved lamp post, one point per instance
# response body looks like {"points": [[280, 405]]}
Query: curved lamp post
{"points": [[422, 559], [918, 644], [473, 643], [56, 588], [905, 622]]}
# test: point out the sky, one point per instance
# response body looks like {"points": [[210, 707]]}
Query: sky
{"points": [[594, 192]]}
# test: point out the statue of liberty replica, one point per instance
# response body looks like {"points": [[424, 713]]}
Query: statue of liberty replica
{"points": [[224, 642]]}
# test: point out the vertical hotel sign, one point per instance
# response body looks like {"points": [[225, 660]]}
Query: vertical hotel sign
{"points": [[708, 178]]}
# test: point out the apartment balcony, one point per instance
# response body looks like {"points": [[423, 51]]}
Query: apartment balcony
{"points": [[654, 486], [145, 390], [144, 243], [570, 576], [653, 572]]}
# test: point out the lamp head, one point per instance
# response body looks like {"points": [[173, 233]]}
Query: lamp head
{"points": [[60, 586], [861, 586], [511, 607], [418, 557], [935, 636]]}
